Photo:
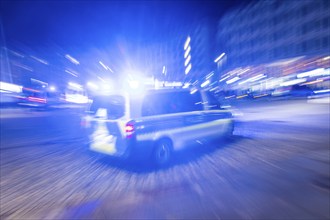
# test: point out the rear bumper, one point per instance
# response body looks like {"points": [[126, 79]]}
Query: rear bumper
{"points": [[134, 150]]}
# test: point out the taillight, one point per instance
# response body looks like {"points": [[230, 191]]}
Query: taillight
{"points": [[35, 99], [129, 129]]}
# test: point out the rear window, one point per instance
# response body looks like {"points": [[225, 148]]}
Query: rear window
{"points": [[112, 106], [171, 102]]}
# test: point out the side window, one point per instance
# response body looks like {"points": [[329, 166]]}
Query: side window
{"points": [[172, 102], [155, 104], [212, 101], [187, 102]]}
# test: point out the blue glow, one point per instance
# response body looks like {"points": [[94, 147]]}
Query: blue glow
{"points": [[52, 88], [134, 84], [92, 86]]}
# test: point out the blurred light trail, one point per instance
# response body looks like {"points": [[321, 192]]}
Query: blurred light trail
{"points": [[188, 68], [40, 60], [186, 85], [71, 72], [164, 70], [322, 91], [243, 82], [256, 78], [285, 62], [186, 44], [14, 52], [316, 72], [36, 99], [186, 53], [73, 60], [229, 97], [193, 91], [22, 66], [233, 80], [292, 82], [103, 65], [312, 82], [243, 71], [241, 96], [205, 83], [76, 98], [39, 81], [209, 75], [9, 87], [187, 60], [75, 85], [219, 57], [224, 78], [258, 96]]}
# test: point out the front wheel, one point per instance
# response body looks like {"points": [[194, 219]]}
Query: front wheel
{"points": [[162, 152]]}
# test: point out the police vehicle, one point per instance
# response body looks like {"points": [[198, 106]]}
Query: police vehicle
{"points": [[154, 124]]}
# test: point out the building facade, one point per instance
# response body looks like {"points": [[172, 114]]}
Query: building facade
{"points": [[270, 30], [167, 61]]}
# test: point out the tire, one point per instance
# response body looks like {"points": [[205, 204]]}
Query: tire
{"points": [[162, 153], [230, 132]]}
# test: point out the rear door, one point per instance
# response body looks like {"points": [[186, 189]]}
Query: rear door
{"points": [[105, 125], [216, 120]]}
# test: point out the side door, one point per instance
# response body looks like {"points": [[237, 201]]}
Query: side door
{"points": [[189, 108], [216, 120]]}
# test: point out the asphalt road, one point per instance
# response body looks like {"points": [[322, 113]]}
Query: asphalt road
{"points": [[276, 166]]}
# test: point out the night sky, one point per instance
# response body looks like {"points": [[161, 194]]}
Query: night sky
{"points": [[85, 24]]}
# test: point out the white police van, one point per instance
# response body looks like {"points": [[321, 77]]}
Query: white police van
{"points": [[154, 124]]}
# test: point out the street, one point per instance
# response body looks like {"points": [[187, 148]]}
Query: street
{"points": [[276, 166]]}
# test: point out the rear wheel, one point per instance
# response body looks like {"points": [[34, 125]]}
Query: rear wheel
{"points": [[230, 130], [229, 135], [162, 152]]}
